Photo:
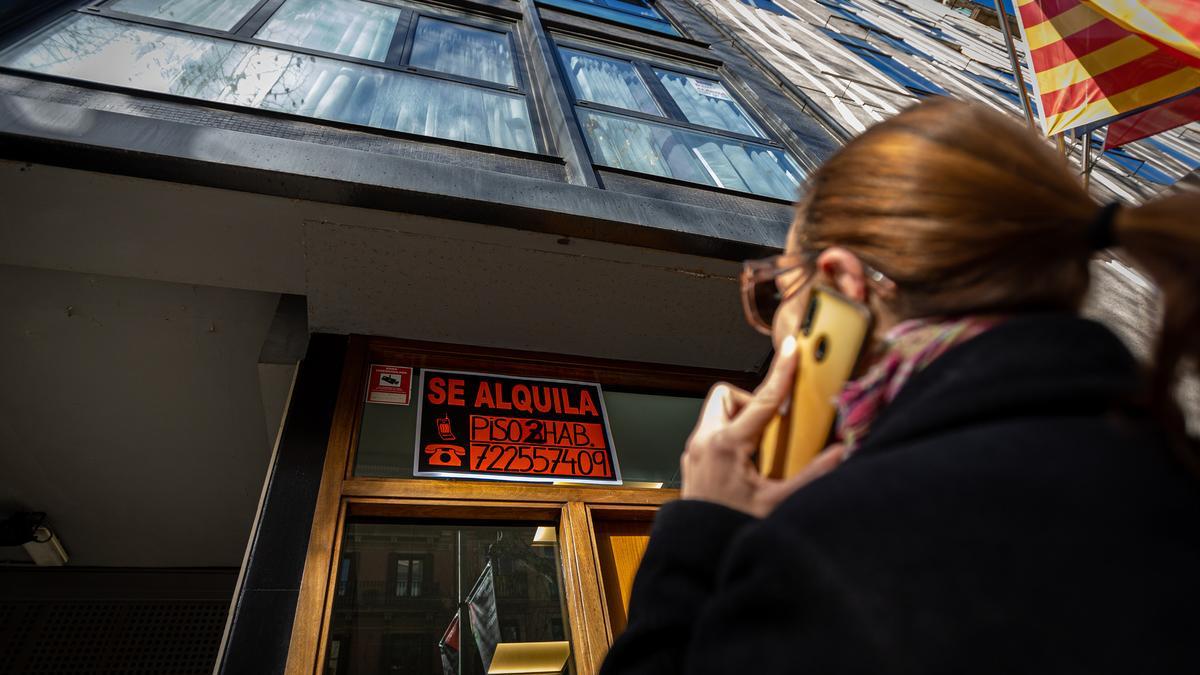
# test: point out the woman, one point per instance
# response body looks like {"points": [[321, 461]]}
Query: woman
{"points": [[1009, 493]]}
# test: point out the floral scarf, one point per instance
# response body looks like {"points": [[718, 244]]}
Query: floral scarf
{"points": [[906, 350]]}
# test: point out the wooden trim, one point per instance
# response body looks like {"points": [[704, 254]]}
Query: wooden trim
{"points": [[622, 512], [330, 588], [308, 624], [482, 491], [601, 518], [590, 633], [454, 509]]}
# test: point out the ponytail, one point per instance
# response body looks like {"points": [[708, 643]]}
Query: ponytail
{"points": [[1163, 239]]}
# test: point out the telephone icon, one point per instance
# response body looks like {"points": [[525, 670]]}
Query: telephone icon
{"points": [[445, 455], [443, 428]]}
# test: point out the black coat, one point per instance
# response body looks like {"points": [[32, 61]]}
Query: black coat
{"points": [[1008, 513]]}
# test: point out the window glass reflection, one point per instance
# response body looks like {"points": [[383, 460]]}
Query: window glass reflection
{"points": [[349, 27], [117, 53], [215, 14], [707, 102], [630, 13], [463, 50], [430, 598], [600, 79], [662, 150], [632, 7]]}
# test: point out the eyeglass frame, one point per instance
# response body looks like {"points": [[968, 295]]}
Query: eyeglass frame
{"points": [[763, 270]]}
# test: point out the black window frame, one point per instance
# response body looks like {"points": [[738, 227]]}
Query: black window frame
{"points": [[645, 65], [680, 33], [398, 51], [400, 47], [392, 577]]}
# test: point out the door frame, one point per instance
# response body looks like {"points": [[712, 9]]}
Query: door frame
{"points": [[573, 507]]}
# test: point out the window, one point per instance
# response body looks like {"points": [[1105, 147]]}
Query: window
{"points": [[899, 73], [900, 44], [1138, 168], [840, 13], [348, 27], [892, 68], [453, 590], [463, 50], [707, 102], [215, 14], [612, 82], [636, 13], [408, 576], [664, 122], [347, 61], [1005, 91], [345, 577], [1190, 162], [770, 7], [335, 663]]}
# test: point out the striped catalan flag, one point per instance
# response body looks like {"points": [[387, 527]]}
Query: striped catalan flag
{"points": [[1089, 67], [1173, 25]]}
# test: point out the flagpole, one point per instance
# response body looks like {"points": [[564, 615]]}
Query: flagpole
{"points": [[1087, 158], [1013, 59]]}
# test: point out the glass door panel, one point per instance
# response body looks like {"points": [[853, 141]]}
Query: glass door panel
{"points": [[439, 597]]}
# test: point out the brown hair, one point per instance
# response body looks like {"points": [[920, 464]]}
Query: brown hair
{"points": [[967, 211]]}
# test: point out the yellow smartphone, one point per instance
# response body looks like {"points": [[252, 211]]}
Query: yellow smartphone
{"points": [[830, 342]]}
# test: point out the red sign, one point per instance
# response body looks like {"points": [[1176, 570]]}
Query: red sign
{"points": [[474, 425], [389, 384]]}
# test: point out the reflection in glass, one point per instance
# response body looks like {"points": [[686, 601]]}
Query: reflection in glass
{"points": [[153, 59], [707, 102], [632, 7], [436, 597], [215, 14], [600, 79], [628, 12], [463, 50], [649, 431], [348, 27], [662, 150]]}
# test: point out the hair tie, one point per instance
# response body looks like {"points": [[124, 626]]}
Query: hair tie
{"points": [[1100, 232]]}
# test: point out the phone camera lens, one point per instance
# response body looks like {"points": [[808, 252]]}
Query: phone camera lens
{"points": [[820, 349], [809, 314]]}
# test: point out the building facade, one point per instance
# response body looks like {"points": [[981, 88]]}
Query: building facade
{"points": [[254, 253]]}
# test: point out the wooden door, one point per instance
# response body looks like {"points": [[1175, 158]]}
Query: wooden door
{"points": [[620, 545]]}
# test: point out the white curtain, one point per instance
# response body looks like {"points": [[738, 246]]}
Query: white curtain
{"points": [[706, 110], [600, 79], [97, 49], [349, 27], [216, 14], [660, 150], [463, 50]]}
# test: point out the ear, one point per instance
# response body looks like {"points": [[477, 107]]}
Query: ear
{"points": [[842, 270]]}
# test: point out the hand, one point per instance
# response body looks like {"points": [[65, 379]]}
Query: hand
{"points": [[716, 465]]}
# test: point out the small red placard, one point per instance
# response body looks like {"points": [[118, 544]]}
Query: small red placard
{"points": [[389, 384]]}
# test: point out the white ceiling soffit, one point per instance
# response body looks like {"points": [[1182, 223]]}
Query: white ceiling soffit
{"points": [[132, 413], [380, 273]]}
